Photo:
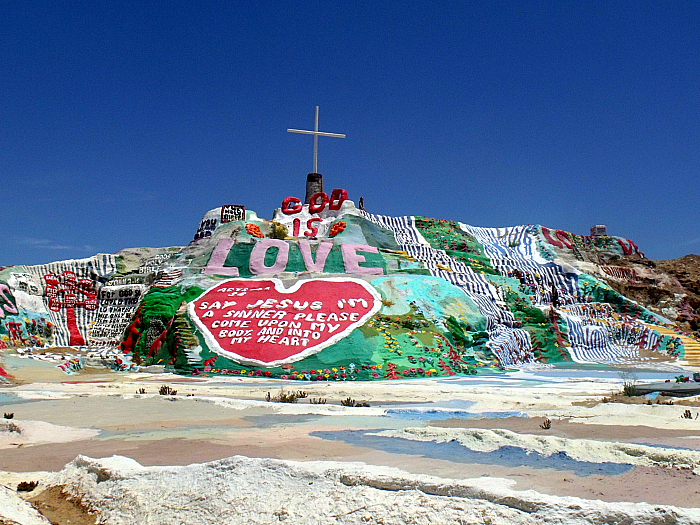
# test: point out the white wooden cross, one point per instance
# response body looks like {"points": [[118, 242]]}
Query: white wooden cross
{"points": [[316, 133]]}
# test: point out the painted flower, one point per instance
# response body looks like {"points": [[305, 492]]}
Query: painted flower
{"points": [[375, 375], [254, 230], [337, 228]]}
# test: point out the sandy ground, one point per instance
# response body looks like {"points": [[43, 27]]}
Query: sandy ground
{"points": [[97, 413]]}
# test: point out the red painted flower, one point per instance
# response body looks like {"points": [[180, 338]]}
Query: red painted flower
{"points": [[337, 228], [254, 230]]}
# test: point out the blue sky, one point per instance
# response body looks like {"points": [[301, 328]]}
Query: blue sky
{"points": [[122, 123]]}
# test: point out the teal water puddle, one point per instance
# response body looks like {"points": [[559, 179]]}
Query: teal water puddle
{"points": [[507, 456], [10, 399], [438, 414]]}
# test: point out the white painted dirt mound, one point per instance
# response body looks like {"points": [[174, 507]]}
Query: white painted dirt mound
{"points": [[253, 490]]}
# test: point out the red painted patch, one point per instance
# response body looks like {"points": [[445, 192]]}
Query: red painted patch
{"points": [[260, 322]]}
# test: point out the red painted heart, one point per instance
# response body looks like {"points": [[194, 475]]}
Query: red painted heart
{"points": [[259, 322]]}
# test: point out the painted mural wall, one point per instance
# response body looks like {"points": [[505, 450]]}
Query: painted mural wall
{"points": [[325, 291]]}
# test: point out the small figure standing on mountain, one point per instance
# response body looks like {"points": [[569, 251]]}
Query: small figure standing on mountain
{"points": [[555, 296], [361, 204]]}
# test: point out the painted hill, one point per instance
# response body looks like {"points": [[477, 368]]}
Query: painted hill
{"points": [[325, 291]]}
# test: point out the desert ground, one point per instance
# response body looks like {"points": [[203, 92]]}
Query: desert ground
{"points": [[543, 444]]}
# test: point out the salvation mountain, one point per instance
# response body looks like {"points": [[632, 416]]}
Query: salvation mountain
{"points": [[327, 291]]}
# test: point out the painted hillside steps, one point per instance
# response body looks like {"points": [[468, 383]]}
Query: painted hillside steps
{"points": [[691, 347]]}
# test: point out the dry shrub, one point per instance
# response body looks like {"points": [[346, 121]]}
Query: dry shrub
{"points": [[350, 402], [26, 486], [284, 397]]}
